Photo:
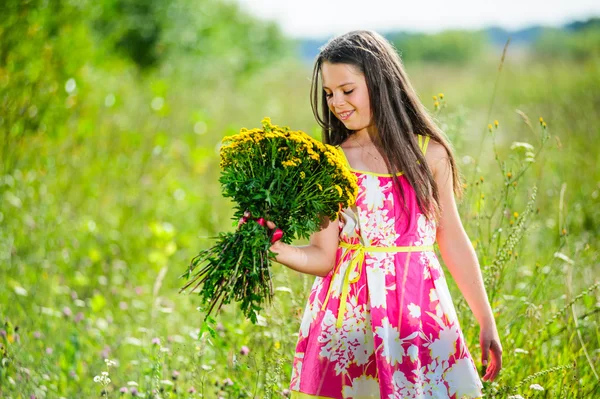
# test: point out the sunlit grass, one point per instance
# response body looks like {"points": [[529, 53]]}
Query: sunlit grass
{"points": [[97, 223]]}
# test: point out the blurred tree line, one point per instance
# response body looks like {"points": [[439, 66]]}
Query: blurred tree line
{"points": [[580, 41], [46, 44]]}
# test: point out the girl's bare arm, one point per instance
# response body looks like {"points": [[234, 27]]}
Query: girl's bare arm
{"points": [[461, 260], [318, 257]]}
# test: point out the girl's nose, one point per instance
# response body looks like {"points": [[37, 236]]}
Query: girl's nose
{"points": [[338, 100]]}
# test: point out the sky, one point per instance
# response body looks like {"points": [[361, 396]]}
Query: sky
{"points": [[323, 18]]}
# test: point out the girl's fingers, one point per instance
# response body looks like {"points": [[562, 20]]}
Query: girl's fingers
{"points": [[270, 224]]}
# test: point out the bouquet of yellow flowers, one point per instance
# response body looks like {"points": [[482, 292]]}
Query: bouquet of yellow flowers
{"points": [[284, 176]]}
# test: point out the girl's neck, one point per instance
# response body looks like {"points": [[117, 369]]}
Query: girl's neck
{"points": [[362, 136]]}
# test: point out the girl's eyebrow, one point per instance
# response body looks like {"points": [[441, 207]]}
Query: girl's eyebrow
{"points": [[343, 84]]}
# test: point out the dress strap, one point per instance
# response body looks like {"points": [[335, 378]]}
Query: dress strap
{"points": [[423, 141], [339, 148]]}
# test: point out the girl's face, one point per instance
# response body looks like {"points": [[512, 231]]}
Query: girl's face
{"points": [[347, 95]]}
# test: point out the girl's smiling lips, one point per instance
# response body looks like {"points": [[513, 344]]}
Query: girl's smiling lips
{"points": [[345, 115]]}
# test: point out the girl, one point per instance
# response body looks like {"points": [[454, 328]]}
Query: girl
{"points": [[380, 322]]}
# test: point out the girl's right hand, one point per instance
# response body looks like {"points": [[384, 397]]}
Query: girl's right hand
{"points": [[276, 234]]}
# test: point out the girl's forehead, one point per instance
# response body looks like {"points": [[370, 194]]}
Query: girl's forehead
{"points": [[339, 74]]}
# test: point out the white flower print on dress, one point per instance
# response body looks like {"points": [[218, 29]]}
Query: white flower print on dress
{"points": [[382, 260], [445, 346], [413, 352], [392, 346], [377, 288], [363, 387], [296, 371], [415, 310], [349, 344], [374, 192], [403, 388], [426, 231], [463, 380]]}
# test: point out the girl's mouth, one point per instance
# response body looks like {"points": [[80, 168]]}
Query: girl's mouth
{"points": [[345, 115]]}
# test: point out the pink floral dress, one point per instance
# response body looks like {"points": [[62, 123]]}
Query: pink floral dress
{"points": [[382, 323]]}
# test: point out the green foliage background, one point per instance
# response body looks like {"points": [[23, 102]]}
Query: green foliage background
{"points": [[111, 114]]}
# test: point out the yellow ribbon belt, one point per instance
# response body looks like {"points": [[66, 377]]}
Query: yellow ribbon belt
{"points": [[357, 262]]}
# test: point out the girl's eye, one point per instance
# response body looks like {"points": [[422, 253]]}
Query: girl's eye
{"points": [[346, 93]]}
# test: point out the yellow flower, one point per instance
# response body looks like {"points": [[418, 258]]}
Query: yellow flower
{"points": [[434, 98], [302, 175], [509, 175], [516, 214], [320, 187], [490, 127], [436, 104], [442, 96], [496, 123], [339, 190], [541, 120]]}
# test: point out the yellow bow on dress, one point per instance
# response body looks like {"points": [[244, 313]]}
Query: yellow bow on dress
{"points": [[356, 263]]}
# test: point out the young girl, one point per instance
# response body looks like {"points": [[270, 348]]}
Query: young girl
{"points": [[380, 322]]}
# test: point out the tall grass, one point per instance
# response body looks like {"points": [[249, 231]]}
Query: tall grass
{"points": [[97, 222]]}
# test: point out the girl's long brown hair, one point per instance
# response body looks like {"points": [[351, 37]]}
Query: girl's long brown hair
{"points": [[397, 113]]}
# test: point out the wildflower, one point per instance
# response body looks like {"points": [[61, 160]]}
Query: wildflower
{"points": [[544, 125], [123, 390], [482, 196], [436, 104], [541, 120], [37, 335], [441, 96], [134, 391], [244, 350], [481, 179], [516, 214], [78, 317], [434, 98], [564, 232], [496, 123], [110, 363], [320, 187], [302, 175], [192, 390], [339, 190], [536, 387], [509, 175], [67, 311], [175, 375], [490, 127], [155, 341], [227, 381], [49, 351]]}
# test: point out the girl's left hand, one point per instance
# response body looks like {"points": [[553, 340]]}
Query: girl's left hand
{"points": [[490, 343]]}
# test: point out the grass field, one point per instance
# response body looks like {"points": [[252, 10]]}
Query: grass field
{"points": [[98, 220]]}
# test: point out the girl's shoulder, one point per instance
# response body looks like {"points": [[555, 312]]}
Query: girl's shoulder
{"points": [[435, 154]]}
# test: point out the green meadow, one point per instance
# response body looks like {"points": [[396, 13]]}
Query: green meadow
{"points": [[111, 117]]}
